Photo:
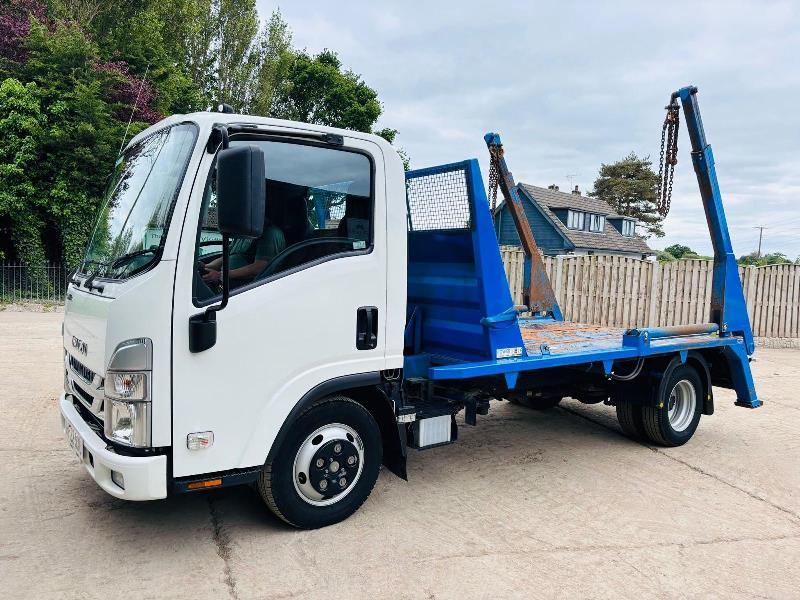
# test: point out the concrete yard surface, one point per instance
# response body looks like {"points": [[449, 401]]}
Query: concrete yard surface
{"points": [[525, 505]]}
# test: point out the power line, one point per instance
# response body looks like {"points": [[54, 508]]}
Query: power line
{"points": [[782, 223]]}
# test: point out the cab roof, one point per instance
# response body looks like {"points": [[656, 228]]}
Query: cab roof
{"points": [[206, 120]]}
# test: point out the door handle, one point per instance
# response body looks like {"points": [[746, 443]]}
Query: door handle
{"points": [[367, 328]]}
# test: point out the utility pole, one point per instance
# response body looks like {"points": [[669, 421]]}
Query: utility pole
{"points": [[760, 236]]}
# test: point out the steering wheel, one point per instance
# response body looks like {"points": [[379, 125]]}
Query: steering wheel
{"points": [[214, 287], [281, 259]]}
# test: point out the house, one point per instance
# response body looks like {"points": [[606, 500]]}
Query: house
{"points": [[571, 223]]}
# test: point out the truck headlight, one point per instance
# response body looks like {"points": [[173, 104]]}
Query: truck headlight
{"points": [[128, 422], [128, 407], [126, 386]]}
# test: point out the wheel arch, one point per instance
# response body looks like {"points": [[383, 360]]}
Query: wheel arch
{"points": [[367, 390], [695, 359], [657, 371]]}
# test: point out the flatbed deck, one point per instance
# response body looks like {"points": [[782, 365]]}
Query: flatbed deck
{"points": [[564, 337], [552, 343]]}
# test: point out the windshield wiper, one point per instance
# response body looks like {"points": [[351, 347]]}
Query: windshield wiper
{"points": [[87, 263], [89, 283], [126, 258]]}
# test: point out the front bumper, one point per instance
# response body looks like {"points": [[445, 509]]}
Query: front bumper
{"points": [[145, 477]]}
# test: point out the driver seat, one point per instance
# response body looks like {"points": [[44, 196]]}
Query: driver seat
{"points": [[355, 219], [286, 206]]}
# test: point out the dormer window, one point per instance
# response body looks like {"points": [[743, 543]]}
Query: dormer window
{"points": [[597, 223], [628, 227], [575, 219]]}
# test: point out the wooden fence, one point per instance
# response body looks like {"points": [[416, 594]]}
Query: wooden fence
{"points": [[627, 292]]}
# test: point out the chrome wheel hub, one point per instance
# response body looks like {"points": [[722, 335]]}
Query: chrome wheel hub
{"points": [[681, 405], [328, 464]]}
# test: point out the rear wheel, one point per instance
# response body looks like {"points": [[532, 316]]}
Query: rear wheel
{"points": [[673, 418], [630, 420], [326, 466]]}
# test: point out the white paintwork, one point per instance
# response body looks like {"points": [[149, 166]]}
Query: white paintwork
{"points": [[275, 342], [144, 478]]}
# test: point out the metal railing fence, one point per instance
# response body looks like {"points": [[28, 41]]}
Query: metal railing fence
{"points": [[33, 283]]}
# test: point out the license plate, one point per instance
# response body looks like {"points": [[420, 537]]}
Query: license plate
{"points": [[75, 442]]}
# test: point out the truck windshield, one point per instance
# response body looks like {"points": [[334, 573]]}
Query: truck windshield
{"points": [[133, 221]]}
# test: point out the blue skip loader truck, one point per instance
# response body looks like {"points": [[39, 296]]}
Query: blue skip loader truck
{"points": [[244, 378]]}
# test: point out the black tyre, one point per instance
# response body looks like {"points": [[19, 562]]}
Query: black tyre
{"points": [[630, 419], [675, 413], [326, 466]]}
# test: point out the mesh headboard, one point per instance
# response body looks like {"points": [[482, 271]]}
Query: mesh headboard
{"points": [[439, 198], [455, 272]]}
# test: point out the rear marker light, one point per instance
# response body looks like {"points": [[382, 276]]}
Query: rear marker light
{"points": [[200, 440], [198, 485]]}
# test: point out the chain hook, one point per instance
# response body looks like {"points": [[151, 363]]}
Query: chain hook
{"points": [[668, 157], [495, 153]]}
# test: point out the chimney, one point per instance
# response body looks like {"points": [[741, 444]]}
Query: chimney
{"points": [[576, 191], [552, 186]]}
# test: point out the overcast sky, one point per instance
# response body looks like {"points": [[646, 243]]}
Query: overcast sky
{"points": [[570, 85]]}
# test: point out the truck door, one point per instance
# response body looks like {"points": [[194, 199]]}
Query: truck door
{"points": [[307, 305]]}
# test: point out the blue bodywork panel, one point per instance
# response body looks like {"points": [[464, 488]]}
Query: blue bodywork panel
{"points": [[462, 323], [459, 304]]}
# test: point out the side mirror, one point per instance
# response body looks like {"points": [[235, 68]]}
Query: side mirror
{"points": [[241, 191], [241, 205]]}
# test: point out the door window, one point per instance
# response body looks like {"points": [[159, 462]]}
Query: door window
{"points": [[319, 206]]}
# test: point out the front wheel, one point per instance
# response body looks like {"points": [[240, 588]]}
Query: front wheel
{"points": [[673, 418], [326, 466]]}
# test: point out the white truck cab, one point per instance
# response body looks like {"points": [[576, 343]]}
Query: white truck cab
{"points": [[316, 306]]}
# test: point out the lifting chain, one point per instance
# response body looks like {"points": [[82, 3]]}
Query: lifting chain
{"points": [[495, 153], [669, 156]]}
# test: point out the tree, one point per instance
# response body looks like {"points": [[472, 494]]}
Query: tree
{"points": [[680, 251], [317, 90], [630, 186], [22, 127], [275, 45], [237, 54], [754, 260], [389, 135], [662, 256], [84, 103], [73, 73]]}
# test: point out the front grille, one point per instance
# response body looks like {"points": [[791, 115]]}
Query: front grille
{"points": [[83, 371], [91, 419], [88, 401], [83, 393]]}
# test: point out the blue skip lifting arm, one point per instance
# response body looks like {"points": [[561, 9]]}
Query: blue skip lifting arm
{"points": [[728, 309], [462, 323], [538, 294]]}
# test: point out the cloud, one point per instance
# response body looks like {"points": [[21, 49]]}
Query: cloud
{"points": [[573, 84]]}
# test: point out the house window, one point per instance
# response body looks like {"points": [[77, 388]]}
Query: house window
{"points": [[628, 228], [575, 219], [597, 223]]}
